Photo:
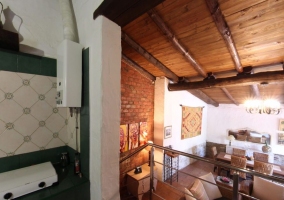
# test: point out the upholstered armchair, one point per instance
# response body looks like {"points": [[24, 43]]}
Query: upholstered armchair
{"points": [[261, 188]]}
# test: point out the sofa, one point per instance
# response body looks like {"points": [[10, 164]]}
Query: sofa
{"points": [[203, 190], [262, 189]]}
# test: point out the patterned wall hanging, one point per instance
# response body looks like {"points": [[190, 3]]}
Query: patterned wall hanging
{"points": [[191, 122], [123, 138], [143, 133], [133, 135]]}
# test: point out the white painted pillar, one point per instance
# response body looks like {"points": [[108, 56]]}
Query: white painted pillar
{"points": [[159, 101], [105, 63]]}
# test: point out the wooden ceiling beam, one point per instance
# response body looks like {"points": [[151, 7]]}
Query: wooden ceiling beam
{"points": [[168, 73], [124, 11], [223, 28], [269, 77], [230, 73], [229, 95], [172, 38], [201, 95], [138, 68]]}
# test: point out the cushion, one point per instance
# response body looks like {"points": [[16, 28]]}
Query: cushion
{"points": [[265, 189], [212, 191], [187, 193], [198, 190]]}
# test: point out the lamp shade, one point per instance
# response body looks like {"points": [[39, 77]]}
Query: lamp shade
{"points": [[231, 137]]}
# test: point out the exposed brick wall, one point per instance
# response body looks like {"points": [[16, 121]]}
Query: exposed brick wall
{"points": [[137, 105]]}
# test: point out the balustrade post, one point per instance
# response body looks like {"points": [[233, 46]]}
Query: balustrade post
{"points": [[235, 185], [151, 172]]}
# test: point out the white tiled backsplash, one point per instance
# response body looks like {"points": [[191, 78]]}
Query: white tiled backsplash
{"points": [[29, 118]]}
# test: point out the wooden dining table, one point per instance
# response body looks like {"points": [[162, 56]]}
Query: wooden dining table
{"points": [[278, 170]]}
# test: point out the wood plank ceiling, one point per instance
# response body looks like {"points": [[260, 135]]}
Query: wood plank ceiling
{"points": [[187, 40]]}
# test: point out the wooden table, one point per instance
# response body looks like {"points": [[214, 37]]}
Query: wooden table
{"points": [[226, 189], [138, 184], [278, 170]]}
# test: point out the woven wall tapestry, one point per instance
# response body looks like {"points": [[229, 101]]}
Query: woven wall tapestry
{"points": [[191, 122]]}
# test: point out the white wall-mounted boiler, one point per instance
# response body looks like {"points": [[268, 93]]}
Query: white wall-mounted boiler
{"points": [[69, 74]]}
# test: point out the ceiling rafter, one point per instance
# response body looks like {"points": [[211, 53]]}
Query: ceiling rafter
{"points": [[138, 68], [175, 42], [204, 97], [168, 73], [158, 64], [169, 33], [274, 77], [229, 95], [223, 28]]}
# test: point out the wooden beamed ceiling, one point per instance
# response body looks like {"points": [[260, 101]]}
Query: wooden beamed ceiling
{"points": [[192, 42]]}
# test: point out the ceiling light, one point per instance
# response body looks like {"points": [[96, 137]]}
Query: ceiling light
{"points": [[269, 106]]}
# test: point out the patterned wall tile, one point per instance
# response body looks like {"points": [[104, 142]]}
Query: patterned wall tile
{"points": [[2, 127], [21, 125], [41, 110], [42, 136], [10, 141], [55, 122], [55, 142], [25, 91], [10, 111], [29, 119], [63, 135], [9, 81], [2, 96], [50, 97], [27, 147], [2, 154], [41, 84], [26, 76]]}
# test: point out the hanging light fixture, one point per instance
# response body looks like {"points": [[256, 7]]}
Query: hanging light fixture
{"points": [[268, 106]]}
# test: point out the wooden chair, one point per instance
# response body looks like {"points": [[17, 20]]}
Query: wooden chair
{"points": [[213, 153], [239, 152], [261, 157], [240, 162], [262, 167]]}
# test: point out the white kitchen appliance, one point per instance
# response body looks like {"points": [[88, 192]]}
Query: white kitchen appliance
{"points": [[69, 74], [22, 181]]}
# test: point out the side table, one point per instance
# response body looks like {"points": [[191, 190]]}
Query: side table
{"points": [[226, 189], [138, 184]]}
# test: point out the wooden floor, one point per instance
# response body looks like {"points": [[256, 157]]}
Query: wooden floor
{"points": [[164, 191]]}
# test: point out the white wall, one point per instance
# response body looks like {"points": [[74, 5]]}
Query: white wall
{"points": [[172, 116], [38, 23], [230, 117]]}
